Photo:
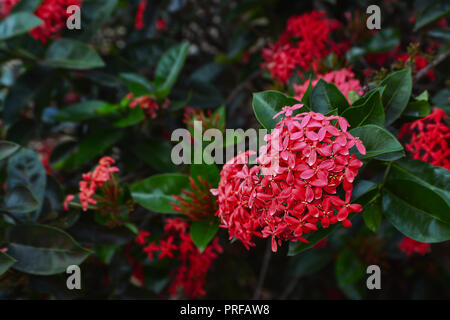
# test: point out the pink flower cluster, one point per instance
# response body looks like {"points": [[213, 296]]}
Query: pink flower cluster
{"points": [[304, 42], [343, 78], [410, 246], [6, 6], [139, 22], [91, 182], [428, 139], [191, 275], [294, 185]]}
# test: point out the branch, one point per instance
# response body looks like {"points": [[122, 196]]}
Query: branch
{"points": [[430, 66], [262, 275]]}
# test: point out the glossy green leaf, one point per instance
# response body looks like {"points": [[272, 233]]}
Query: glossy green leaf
{"points": [[7, 149], [80, 111], [326, 97], [432, 12], [416, 211], [208, 172], [43, 250], [137, 84], [156, 193], [348, 268], [132, 116], [20, 199], [6, 262], [25, 169], [202, 232], [396, 94], [72, 54], [26, 5], [384, 40], [267, 104], [310, 262], [156, 153], [372, 216], [370, 112], [169, 67], [377, 141], [18, 23]]}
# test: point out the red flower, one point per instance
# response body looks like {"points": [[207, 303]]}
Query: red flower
{"points": [[6, 6], [54, 14], [420, 63], [147, 104], [409, 246], [161, 25], [177, 242], [142, 237], [304, 42], [294, 185], [139, 22], [428, 139], [92, 181]]}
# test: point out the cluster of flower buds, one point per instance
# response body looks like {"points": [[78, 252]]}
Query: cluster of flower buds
{"points": [[208, 119], [191, 274], [147, 104], [294, 185], [91, 182], [428, 139], [196, 203]]}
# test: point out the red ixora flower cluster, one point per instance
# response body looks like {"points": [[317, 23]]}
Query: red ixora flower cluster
{"points": [[304, 42], [91, 182], [147, 104], [409, 246], [6, 6], [54, 14], [428, 138], [191, 275], [294, 185], [343, 78]]}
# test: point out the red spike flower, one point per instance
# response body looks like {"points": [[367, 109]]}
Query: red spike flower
{"points": [[295, 183]]}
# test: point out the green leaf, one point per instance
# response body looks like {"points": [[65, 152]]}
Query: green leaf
{"points": [[307, 94], [313, 238], [18, 23], [43, 250], [384, 40], [25, 169], [432, 12], [416, 211], [7, 149], [156, 153], [26, 5], [169, 67], [396, 94], [72, 54], [442, 33], [433, 177], [372, 216], [202, 232], [92, 145], [137, 84], [348, 269], [133, 116], [417, 109], [20, 199], [267, 104], [6, 262], [80, 111], [155, 193], [377, 140], [326, 97], [370, 112], [209, 172]]}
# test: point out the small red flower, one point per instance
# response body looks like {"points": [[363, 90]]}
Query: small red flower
{"points": [[410, 246], [139, 22]]}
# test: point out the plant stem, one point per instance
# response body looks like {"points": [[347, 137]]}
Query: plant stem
{"points": [[263, 273]]}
